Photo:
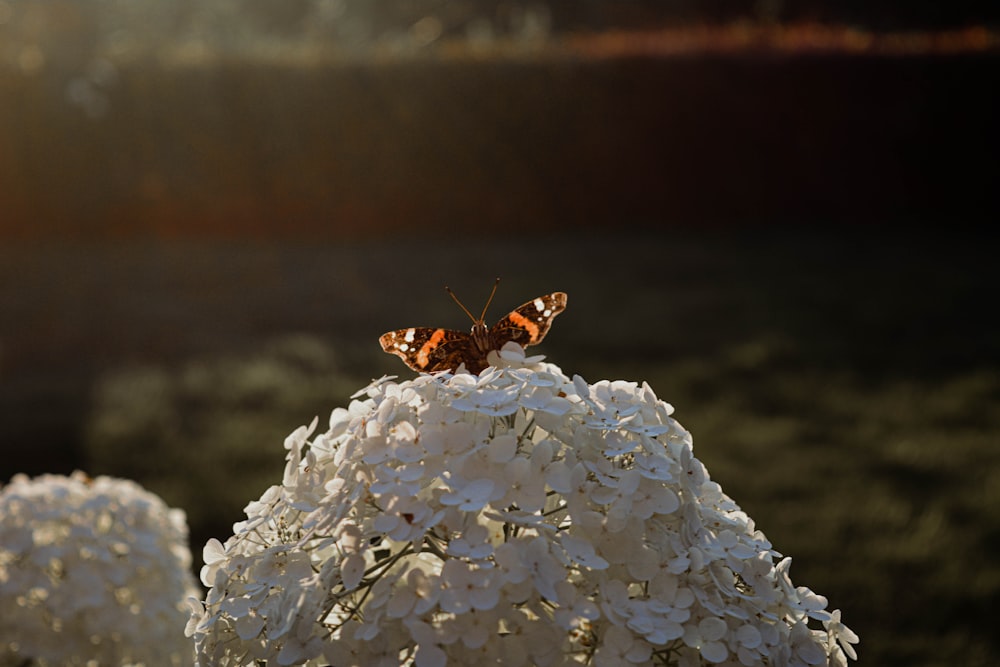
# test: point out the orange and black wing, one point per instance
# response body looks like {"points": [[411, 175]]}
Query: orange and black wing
{"points": [[528, 324], [428, 350]]}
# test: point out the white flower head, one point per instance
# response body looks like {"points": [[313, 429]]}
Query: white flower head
{"points": [[515, 517], [92, 571]]}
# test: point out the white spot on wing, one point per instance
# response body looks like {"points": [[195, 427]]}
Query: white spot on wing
{"points": [[539, 304], [409, 335]]}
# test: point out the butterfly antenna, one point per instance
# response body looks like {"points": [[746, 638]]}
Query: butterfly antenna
{"points": [[489, 300], [460, 304]]}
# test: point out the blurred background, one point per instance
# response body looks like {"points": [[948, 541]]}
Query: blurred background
{"points": [[776, 212]]}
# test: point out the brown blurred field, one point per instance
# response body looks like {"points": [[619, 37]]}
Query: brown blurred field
{"points": [[782, 242], [660, 128]]}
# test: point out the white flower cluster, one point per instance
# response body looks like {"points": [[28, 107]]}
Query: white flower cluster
{"points": [[517, 517], [92, 571]]}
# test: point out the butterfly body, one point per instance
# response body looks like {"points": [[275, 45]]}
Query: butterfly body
{"points": [[428, 350]]}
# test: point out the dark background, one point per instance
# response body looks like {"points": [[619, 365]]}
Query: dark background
{"points": [[776, 213]]}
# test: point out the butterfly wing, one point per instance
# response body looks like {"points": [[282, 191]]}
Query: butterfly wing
{"points": [[428, 350], [528, 324]]}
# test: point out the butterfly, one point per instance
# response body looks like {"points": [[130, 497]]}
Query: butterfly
{"points": [[428, 350]]}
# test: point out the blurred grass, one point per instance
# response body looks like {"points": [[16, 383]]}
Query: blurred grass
{"points": [[208, 433], [843, 385]]}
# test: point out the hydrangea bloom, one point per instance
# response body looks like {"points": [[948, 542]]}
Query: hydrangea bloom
{"points": [[517, 517], [92, 571]]}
